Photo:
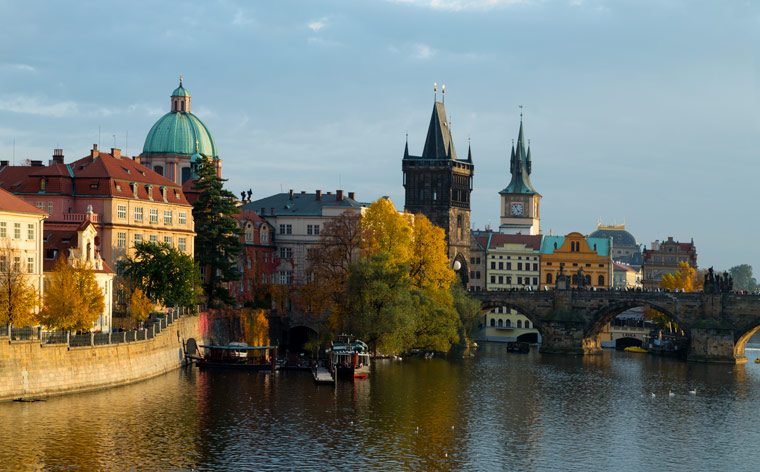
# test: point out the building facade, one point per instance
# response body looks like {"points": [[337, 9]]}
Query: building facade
{"points": [[586, 261], [21, 237], [297, 220], [663, 258], [258, 260], [520, 203], [626, 248], [438, 185], [477, 263]]}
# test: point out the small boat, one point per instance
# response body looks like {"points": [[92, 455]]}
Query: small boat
{"points": [[757, 361], [522, 348], [635, 349], [239, 356], [349, 357]]}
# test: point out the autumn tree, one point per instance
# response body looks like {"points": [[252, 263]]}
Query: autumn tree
{"points": [[140, 306], [386, 230], [428, 258], [73, 300], [217, 240], [686, 279], [19, 300], [163, 273], [329, 263], [255, 327]]}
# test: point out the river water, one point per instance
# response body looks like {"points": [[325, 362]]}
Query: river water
{"points": [[493, 411]]}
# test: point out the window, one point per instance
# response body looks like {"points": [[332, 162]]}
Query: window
{"points": [[138, 214], [316, 230], [601, 280], [40, 205], [50, 207], [182, 218], [153, 239], [30, 265], [508, 323], [282, 229], [493, 279], [527, 324], [138, 239], [121, 212], [285, 277], [264, 235], [549, 278], [501, 279], [519, 281], [249, 262], [501, 266], [182, 244], [535, 267], [3, 229], [121, 239], [17, 264], [154, 216], [493, 265], [167, 217], [309, 230], [519, 266], [286, 229], [249, 235], [535, 280], [286, 253], [509, 266], [30, 231], [3, 263], [266, 257], [519, 323], [16, 230], [493, 322], [168, 240], [509, 280]]}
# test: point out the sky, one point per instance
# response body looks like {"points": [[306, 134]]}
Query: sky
{"points": [[643, 112]]}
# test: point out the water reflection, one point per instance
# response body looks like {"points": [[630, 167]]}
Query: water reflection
{"points": [[496, 411]]}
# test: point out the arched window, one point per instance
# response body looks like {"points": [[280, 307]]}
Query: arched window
{"points": [[159, 170], [183, 105], [548, 278], [264, 235], [519, 323], [501, 323], [493, 322], [509, 323], [601, 280], [527, 324]]}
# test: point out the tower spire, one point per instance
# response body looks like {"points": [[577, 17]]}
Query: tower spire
{"points": [[406, 147]]}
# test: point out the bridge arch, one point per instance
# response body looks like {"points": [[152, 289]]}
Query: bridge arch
{"points": [[608, 312], [533, 319]]}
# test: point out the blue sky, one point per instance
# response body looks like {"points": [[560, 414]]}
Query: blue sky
{"points": [[637, 111]]}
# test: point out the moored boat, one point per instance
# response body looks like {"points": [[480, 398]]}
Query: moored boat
{"points": [[349, 357], [635, 349], [239, 356]]}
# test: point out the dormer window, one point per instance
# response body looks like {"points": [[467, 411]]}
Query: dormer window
{"points": [[149, 189], [134, 189], [163, 193], [43, 184]]}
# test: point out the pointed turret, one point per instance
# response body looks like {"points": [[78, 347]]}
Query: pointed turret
{"points": [[406, 148], [438, 143], [469, 152], [520, 167]]}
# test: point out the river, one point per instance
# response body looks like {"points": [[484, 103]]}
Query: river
{"points": [[493, 411]]}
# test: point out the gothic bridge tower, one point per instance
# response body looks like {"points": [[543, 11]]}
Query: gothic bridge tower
{"points": [[438, 185]]}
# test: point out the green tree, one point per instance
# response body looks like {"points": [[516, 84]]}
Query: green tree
{"points": [[743, 278], [217, 240], [165, 274], [468, 310], [73, 300], [18, 298], [380, 307], [436, 322]]}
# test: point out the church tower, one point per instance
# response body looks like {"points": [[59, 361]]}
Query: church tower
{"points": [[520, 203], [438, 185]]}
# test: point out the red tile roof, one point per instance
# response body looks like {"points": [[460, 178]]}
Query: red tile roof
{"points": [[10, 202], [60, 240], [530, 241]]}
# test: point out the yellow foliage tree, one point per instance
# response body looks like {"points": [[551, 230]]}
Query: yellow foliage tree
{"points": [[428, 259], [684, 279], [140, 306], [19, 300], [73, 300], [386, 230], [255, 327]]}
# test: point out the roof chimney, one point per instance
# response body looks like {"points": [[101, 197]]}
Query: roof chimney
{"points": [[271, 211], [116, 153], [351, 195], [3, 163], [57, 156], [36, 163], [291, 194], [339, 195], [319, 195], [94, 153]]}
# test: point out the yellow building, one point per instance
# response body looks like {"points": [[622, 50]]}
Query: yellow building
{"points": [[586, 261]]}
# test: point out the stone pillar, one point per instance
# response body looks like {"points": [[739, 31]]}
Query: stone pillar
{"points": [[566, 337], [713, 345]]}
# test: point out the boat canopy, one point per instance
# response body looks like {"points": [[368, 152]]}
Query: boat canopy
{"points": [[239, 348]]}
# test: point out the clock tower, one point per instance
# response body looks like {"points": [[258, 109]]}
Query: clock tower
{"points": [[520, 203]]}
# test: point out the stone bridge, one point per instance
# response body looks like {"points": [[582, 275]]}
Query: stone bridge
{"points": [[570, 321]]}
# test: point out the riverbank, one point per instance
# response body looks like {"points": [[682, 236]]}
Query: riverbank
{"points": [[31, 370]]}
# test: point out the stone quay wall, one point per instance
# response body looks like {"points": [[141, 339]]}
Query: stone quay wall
{"points": [[30, 370]]}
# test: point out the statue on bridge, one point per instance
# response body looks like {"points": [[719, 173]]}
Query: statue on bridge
{"points": [[561, 283], [717, 283]]}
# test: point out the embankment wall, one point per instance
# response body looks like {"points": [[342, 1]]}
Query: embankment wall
{"points": [[30, 370]]}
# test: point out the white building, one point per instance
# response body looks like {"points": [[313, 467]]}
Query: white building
{"points": [[21, 238]]}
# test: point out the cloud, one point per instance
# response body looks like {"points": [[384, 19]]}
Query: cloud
{"points": [[317, 25], [18, 67], [459, 5], [422, 51], [38, 106]]}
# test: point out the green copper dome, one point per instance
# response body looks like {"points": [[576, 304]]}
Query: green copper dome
{"points": [[180, 91], [176, 134]]}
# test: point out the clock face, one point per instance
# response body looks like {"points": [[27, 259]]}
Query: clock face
{"points": [[517, 209]]}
